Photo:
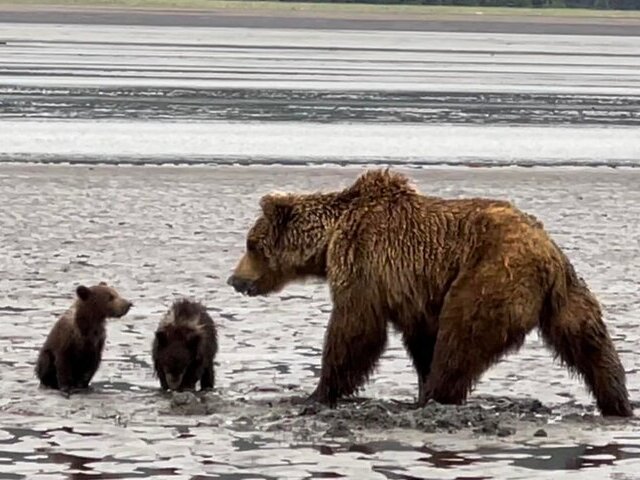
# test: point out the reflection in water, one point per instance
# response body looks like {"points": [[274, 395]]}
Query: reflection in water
{"points": [[443, 458], [138, 473], [380, 455], [575, 457], [75, 462], [535, 457], [314, 475]]}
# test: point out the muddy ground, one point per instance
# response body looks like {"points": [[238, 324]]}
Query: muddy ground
{"points": [[160, 232]]}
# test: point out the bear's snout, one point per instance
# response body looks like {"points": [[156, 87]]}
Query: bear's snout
{"points": [[123, 308], [242, 285]]}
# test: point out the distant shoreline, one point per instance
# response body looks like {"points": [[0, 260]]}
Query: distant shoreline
{"points": [[327, 10], [277, 15]]}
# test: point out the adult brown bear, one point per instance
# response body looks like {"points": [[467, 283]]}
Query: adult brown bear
{"points": [[463, 280]]}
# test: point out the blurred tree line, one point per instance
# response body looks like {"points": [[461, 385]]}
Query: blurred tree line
{"points": [[595, 4]]}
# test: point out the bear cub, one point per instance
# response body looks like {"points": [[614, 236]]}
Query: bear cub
{"points": [[184, 347], [72, 352]]}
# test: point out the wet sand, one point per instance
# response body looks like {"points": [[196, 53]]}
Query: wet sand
{"points": [[159, 232]]}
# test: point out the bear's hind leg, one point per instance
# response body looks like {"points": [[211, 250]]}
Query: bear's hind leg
{"points": [[420, 344], [581, 339], [483, 318], [459, 362], [46, 370], [355, 339]]}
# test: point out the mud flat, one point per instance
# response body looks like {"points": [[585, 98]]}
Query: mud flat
{"points": [[159, 232]]}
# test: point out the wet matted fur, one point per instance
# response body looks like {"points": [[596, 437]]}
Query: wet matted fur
{"points": [[463, 280], [72, 352], [184, 347]]}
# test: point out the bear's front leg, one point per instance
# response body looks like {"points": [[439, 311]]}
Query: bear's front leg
{"points": [[355, 340], [190, 378], [64, 373], [83, 383], [163, 379], [207, 380]]}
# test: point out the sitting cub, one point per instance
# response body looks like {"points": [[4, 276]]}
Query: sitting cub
{"points": [[72, 352]]}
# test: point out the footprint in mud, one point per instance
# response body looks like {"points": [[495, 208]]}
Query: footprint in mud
{"points": [[490, 418], [190, 403], [486, 415], [496, 416]]}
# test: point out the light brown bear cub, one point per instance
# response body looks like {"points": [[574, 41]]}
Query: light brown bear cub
{"points": [[463, 280], [184, 347], [72, 352]]}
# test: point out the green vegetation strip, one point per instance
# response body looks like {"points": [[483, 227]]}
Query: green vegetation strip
{"points": [[329, 8]]}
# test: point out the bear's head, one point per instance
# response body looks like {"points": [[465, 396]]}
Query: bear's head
{"points": [[177, 347], [286, 243], [101, 301]]}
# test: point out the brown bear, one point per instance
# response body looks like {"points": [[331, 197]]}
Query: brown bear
{"points": [[72, 352], [463, 280], [184, 347]]}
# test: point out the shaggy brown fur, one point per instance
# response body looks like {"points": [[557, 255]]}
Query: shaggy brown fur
{"points": [[72, 351], [463, 280], [184, 347]]}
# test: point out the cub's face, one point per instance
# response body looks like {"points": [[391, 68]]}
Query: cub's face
{"points": [[177, 349], [104, 300], [287, 242]]}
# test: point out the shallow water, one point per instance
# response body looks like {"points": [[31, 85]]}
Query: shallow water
{"points": [[76, 56], [240, 95], [300, 144], [159, 232]]}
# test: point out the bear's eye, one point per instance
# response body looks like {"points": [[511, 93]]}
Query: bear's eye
{"points": [[252, 246], [111, 297]]}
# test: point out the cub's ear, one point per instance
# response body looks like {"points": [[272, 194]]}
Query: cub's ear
{"points": [[103, 284], [161, 338], [277, 207], [83, 292]]}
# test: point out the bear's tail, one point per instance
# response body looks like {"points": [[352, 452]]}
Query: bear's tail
{"points": [[572, 326]]}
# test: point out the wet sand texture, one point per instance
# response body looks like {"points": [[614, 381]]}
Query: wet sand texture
{"points": [[160, 232]]}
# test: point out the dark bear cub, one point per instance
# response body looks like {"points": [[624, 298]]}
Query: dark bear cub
{"points": [[72, 352], [184, 347]]}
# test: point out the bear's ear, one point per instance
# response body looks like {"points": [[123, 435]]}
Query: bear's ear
{"points": [[83, 292], [103, 284], [161, 338], [277, 207]]}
